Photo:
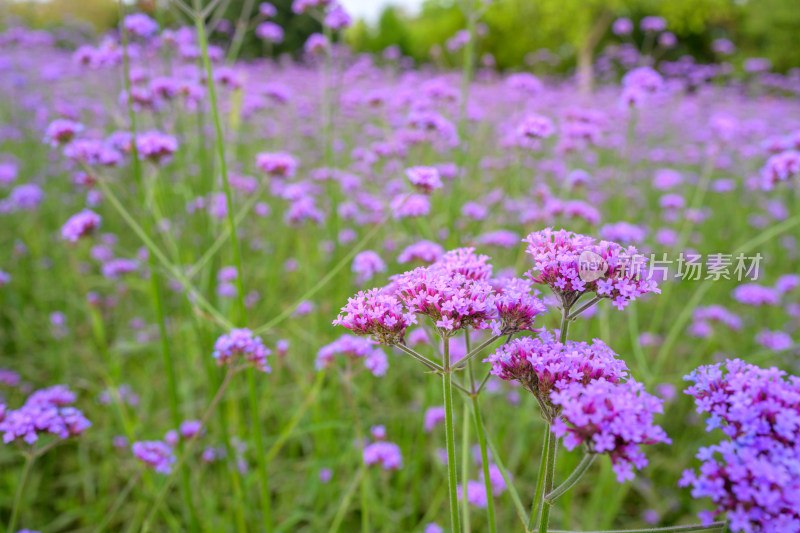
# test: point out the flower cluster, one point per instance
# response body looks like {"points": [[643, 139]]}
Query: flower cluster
{"points": [[573, 265], [378, 314], [517, 306], [424, 179], [80, 225], [542, 364], [754, 476], [45, 411], [353, 347], [241, 343], [155, 453], [156, 146], [277, 165], [383, 453], [610, 418], [452, 300]]}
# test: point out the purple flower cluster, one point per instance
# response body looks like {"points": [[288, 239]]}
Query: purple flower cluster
{"points": [[156, 454], [156, 146], [703, 317], [241, 343], [424, 251], [780, 167], [610, 418], [378, 314], [80, 225], [383, 453], [366, 264], [542, 364], [278, 165], [61, 131], [353, 348], [573, 265], [754, 476], [46, 411], [756, 295], [451, 299], [424, 179], [517, 305]]}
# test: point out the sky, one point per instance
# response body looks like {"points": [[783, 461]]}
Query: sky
{"points": [[369, 10]]}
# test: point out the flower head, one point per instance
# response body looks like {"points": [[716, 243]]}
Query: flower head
{"points": [[611, 418], [542, 364], [375, 313], [155, 453], [424, 179], [573, 265], [80, 225], [241, 343]]}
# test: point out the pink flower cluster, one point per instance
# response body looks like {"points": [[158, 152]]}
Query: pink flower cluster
{"points": [[542, 364], [353, 348], [454, 292], [610, 418], [754, 476], [376, 313], [80, 225], [241, 343], [45, 411], [573, 265]]}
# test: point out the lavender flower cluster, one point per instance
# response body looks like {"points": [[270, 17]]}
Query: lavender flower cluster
{"points": [[573, 265], [46, 411], [754, 475]]}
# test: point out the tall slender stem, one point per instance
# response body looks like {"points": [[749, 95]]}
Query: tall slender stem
{"points": [[479, 428], [26, 470], [188, 449], [155, 280], [465, 469], [263, 477], [549, 476], [573, 478], [463, 362], [452, 476], [538, 498], [671, 529]]}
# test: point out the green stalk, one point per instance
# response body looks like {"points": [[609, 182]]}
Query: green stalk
{"points": [[465, 468], [573, 478], [538, 498], [671, 529], [452, 476], [26, 470], [155, 285], [237, 261], [479, 428], [550, 470]]}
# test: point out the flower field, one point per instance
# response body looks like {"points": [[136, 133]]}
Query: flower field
{"points": [[339, 292]]}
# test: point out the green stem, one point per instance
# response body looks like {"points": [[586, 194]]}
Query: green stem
{"points": [[479, 428], [573, 478], [538, 498], [155, 284], [421, 358], [465, 468], [452, 476], [26, 470], [188, 449], [511, 489], [255, 420], [549, 476], [671, 529], [461, 364]]}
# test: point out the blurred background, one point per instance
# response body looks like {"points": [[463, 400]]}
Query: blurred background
{"points": [[562, 33]]}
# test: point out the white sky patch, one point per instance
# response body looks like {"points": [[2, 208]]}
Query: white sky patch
{"points": [[370, 10]]}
